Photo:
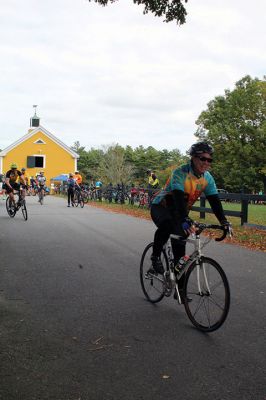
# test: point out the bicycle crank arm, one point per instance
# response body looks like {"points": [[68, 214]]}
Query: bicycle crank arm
{"points": [[178, 294]]}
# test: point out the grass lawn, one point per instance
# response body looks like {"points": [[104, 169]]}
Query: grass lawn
{"points": [[244, 236], [256, 212]]}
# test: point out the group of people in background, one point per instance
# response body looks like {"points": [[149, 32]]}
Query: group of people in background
{"points": [[17, 179], [73, 183]]}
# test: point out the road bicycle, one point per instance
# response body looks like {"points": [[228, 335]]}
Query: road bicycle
{"points": [[121, 195], [108, 194], [13, 207], [85, 195], [205, 293], [78, 199], [143, 199]]}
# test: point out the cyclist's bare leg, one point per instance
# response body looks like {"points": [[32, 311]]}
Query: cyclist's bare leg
{"points": [[41, 194], [23, 193], [11, 198]]}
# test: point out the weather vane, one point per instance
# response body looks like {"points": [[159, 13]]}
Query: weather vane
{"points": [[35, 106]]}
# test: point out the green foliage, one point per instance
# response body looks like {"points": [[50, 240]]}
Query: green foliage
{"points": [[117, 164], [113, 167], [88, 161], [172, 10], [235, 124]]}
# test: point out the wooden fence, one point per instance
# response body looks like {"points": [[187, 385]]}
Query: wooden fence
{"points": [[243, 199]]}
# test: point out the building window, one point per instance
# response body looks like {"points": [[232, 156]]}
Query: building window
{"points": [[36, 162]]}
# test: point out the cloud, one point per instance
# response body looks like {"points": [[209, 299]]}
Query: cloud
{"points": [[112, 74]]}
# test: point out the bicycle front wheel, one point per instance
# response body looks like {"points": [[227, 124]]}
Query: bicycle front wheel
{"points": [[153, 284], [10, 208], [207, 295], [24, 210]]}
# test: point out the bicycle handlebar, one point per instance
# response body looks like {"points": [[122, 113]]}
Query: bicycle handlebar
{"points": [[201, 227]]}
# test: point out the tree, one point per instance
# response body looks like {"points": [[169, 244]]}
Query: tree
{"points": [[113, 167], [172, 10], [77, 147], [116, 164], [235, 124], [88, 161], [144, 159], [174, 159]]}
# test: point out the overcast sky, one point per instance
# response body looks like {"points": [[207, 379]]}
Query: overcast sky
{"points": [[113, 75]]}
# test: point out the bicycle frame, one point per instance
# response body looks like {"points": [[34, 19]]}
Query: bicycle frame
{"points": [[19, 198], [194, 256]]}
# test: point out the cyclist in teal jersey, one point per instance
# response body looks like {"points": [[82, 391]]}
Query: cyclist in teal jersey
{"points": [[171, 206]]}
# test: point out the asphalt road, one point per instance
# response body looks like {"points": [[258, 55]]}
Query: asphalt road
{"points": [[74, 324]]}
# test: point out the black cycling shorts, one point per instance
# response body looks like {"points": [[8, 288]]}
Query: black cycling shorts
{"points": [[165, 218], [14, 185]]}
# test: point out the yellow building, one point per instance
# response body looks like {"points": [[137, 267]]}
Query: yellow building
{"points": [[37, 151]]}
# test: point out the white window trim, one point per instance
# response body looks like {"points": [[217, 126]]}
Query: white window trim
{"points": [[44, 159], [37, 141]]}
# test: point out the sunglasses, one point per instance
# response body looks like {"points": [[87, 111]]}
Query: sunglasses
{"points": [[209, 160]]}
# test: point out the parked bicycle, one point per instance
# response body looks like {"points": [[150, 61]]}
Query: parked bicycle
{"points": [[85, 195], [18, 203], [205, 292], [143, 199]]}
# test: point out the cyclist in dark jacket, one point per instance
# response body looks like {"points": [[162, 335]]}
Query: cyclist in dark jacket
{"points": [[71, 183], [171, 206]]}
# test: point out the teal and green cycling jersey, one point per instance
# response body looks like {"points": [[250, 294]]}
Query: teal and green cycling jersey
{"points": [[184, 179]]}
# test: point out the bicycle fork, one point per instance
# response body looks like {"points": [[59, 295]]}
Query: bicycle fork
{"points": [[201, 270], [171, 278]]}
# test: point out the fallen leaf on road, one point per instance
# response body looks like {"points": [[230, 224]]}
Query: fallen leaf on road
{"points": [[103, 347], [97, 340]]}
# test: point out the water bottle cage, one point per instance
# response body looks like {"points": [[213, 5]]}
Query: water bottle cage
{"points": [[181, 264]]}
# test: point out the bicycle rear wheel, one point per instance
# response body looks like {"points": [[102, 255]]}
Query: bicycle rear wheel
{"points": [[10, 208], [206, 310], [24, 210], [153, 284]]}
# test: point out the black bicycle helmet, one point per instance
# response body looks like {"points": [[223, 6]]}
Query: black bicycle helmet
{"points": [[199, 148]]}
